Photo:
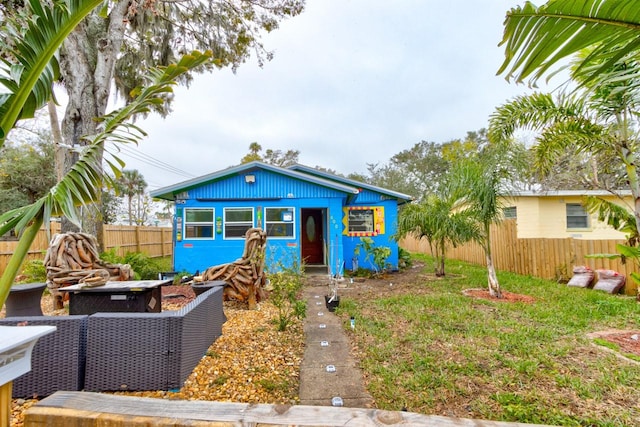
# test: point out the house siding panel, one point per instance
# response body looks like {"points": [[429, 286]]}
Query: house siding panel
{"points": [[198, 254], [267, 185], [386, 239], [368, 196]]}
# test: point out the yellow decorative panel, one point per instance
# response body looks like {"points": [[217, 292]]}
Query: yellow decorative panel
{"points": [[363, 221]]}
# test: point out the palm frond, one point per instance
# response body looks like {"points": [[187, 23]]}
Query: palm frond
{"points": [[616, 216], [533, 111], [539, 38], [29, 81], [83, 183]]}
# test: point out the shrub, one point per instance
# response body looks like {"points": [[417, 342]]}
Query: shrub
{"points": [[376, 254], [285, 284], [404, 258], [144, 267], [34, 271]]}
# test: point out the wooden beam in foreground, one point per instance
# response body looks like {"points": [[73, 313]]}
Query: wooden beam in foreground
{"points": [[83, 409]]}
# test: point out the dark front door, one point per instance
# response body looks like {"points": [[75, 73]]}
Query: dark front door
{"points": [[312, 236]]}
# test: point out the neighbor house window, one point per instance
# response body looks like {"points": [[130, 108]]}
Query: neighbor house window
{"points": [[577, 217], [279, 222], [198, 223], [237, 221], [510, 212]]}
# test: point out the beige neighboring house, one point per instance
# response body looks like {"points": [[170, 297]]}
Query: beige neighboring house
{"points": [[560, 214]]}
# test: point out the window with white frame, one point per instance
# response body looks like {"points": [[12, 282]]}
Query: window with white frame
{"points": [[577, 217], [198, 223], [510, 212], [237, 221], [279, 222]]}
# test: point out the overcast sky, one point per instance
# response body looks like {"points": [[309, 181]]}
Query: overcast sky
{"points": [[352, 82]]}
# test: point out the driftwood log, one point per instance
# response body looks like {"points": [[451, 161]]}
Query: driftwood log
{"points": [[72, 258], [244, 277]]}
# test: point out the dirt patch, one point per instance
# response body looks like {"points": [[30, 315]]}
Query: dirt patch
{"points": [[626, 342]]}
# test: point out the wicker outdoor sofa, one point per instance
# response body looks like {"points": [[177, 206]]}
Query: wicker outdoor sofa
{"points": [[121, 351]]}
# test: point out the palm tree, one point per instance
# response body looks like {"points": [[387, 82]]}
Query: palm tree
{"points": [[254, 153], [539, 38], [29, 86], [132, 184], [479, 186], [436, 220]]}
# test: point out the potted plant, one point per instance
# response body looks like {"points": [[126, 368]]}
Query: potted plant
{"points": [[333, 299]]}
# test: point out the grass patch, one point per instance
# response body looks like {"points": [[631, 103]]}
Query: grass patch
{"points": [[440, 352]]}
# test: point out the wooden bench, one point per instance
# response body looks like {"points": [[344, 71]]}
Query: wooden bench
{"points": [[84, 409]]}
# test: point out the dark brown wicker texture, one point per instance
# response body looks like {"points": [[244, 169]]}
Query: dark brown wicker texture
{"points": [[151, 351], [121, 351], [58, 359]]}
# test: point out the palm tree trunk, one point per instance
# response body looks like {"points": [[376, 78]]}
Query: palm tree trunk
{"points": [[440, 259], [130, 209], [494, 285], [492, 277]]}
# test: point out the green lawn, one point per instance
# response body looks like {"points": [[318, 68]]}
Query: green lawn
{"points": [[428, 348]]}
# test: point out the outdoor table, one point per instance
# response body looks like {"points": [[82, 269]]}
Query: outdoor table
{"points": [[126, 296], [24, 300]]}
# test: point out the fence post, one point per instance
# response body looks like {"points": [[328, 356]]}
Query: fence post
{"points": [[162, 242], [138, 246]]}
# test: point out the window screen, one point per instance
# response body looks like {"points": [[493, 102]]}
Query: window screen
{"points": [[237, 221], [576, 216], [361, 221], [198, 223], [279, 222]]}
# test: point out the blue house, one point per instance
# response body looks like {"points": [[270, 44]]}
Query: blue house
{"points": [[309, 216]]}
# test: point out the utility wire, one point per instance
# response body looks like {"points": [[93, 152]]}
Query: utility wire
{"points": [[149, 160]]}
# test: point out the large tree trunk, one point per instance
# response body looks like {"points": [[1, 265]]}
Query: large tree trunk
{"points": [[87, 63]]}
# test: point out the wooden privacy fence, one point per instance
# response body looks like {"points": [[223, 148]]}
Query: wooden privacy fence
{"points": [[545, 258], [153, 241]]}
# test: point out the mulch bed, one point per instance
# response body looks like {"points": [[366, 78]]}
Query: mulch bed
{"points": [[506, 296]]}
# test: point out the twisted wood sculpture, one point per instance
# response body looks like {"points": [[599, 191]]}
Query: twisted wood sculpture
{"points": [[72, 258], [245, 276]]}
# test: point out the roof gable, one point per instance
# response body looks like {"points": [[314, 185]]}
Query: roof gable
{"points": [[351, 182], [203, 186]]}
